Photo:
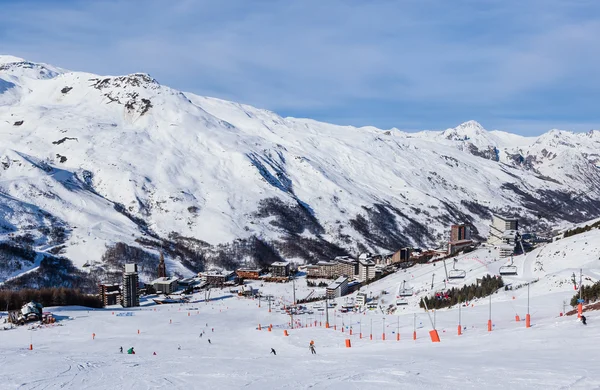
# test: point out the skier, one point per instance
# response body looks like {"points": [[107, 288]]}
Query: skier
{"points": [[130, 351], [121, 349], [311, 346], [273, 351], [583, 320], [213, 329], [209, 341], [179, 347], [201, 335]]}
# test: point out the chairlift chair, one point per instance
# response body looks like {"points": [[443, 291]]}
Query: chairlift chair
{"points": [[401, 302], [455, 273], [403, 291], [510, 269]]}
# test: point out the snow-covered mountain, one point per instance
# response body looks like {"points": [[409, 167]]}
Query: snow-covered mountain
{"points": [[88, 161]]}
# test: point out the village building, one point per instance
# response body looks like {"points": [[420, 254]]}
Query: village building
{"points": [[110, 293], [456, 246], [280, 269], [165, 285], [460, 232], [499, 226], [366, 269], [323, 269], [338, 288], [503, 233], [361, 299], [248, 273], [345, 267], [401, 256], [131, 296], [217, 278]]}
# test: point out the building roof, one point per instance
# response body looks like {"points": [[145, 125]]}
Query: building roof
{"points": [[502, 217], [346, 261], [337, 258], [248, 270], [337, 283], [325, 263], [509, 234], [216, 272], [367, 262], [165, 280], [280, 264]]}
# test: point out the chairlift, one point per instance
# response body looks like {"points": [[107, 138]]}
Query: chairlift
{"points": [[455, 273], [510, 269], [401, 302], [403, 291]]}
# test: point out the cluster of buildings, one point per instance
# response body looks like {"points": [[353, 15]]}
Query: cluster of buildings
{"points": [[503, 235], [364, 268], [279, 271], [126, 293], [348, 273]]}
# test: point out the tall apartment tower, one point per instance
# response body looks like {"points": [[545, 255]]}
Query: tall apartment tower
{"points": [[162, 268], [131, 296], [460, 232]]}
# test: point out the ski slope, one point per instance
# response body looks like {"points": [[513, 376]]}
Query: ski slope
{"points": [[555, 353]]}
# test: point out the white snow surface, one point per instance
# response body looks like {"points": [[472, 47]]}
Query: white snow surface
{"points": [[199, 166], [557, 352]]}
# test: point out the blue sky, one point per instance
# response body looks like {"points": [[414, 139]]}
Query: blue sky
{"points": [[521, 66]]}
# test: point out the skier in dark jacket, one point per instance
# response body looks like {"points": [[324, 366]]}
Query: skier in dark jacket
{"points": [[583, 320], [121, 349], [273, 351], [209, 341], [312, 349]]}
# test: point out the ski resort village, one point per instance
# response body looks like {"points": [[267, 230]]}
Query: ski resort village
{"points": [[157, 239], [451, 317]]}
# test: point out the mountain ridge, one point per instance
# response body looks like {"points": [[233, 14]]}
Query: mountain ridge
{"points": [[125, 159]]}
